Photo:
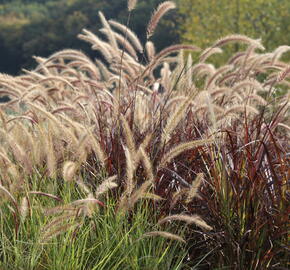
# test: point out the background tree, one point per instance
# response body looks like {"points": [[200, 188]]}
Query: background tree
{"points": [[41, 27], [203, 22]]}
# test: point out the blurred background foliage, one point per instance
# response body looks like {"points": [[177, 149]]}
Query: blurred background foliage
{"points": [[41, 27], [205, 21]]}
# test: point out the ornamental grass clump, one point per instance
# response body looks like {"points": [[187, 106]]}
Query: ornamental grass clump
{"points": [[202, 144]]}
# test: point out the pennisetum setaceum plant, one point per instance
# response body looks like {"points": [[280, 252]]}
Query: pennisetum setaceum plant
{"points": [[101, 169]]}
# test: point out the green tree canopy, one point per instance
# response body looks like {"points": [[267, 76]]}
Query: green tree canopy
{"points": [[41, 27], [204, 21]]}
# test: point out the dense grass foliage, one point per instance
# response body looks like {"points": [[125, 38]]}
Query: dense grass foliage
{"points": [[145, 148], [102, 241]]}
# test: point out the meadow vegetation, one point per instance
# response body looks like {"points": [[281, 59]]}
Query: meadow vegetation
{"points": [[146, 159]]}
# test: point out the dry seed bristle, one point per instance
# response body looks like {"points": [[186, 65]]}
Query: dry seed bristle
{"points": [[178, 195], [174, 120], [192, 192], [238, 38], [128, 135], [139, 193], [24, 208], [131, 4], [150, 50], [240, 109], [106, 185], [121, 40], [143, 146], [69, 170], [209, 52], [18, 152], [130, 168], [51, 158], [131, 35], [175, 151], [57, 231], [157, 15], [46, 195], [106, 24], [212, 79], [279, 52], [58, 220], [147, 165], [9, 195], [168, 235], [96, 147], [195, 219]]}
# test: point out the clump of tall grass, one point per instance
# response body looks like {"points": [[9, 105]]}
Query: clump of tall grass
{"points": [[55, 235], [191, 137]]}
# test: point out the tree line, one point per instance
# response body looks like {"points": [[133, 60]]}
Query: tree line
{"points": [[41, 27]]}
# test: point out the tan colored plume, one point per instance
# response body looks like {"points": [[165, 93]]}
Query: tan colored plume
{"points": [[195, 219], [69, 170], [157, 15], [168, 235], [106, 185], [131, 4]]}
